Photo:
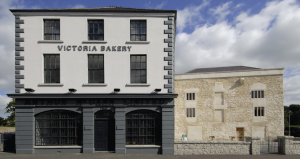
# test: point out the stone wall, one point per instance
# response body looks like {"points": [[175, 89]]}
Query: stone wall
{"points": [[289, 147], [7, 129], [237, 107], [211, 148]]}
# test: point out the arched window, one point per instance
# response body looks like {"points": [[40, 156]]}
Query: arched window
{"points": [[143, 127], [58, 127]]}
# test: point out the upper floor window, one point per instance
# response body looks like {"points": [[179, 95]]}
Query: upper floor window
{"points": [[51, 29], [190, 96], [96, 29], [138, 30], [96, 68], [257, 94], [138, 69], [190, 112], [51, 69], [259, 111]]}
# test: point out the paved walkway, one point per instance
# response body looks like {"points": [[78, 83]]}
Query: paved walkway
{"points": [[104, 155]]}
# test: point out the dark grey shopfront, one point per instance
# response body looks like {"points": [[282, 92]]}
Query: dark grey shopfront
{"points": [[85, 123]]}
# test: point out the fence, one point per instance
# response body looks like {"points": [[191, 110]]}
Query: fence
{"points": [[7, 141]]}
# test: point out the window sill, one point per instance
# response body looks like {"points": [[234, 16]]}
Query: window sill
{"points": [[137, 42], [50, 84], [138, 84], [50, 41], [55, 147], [94, 84], [94, 41], [141, 146]]}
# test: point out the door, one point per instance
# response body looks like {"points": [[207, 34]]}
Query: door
{"points": [[101, 135], [240, 134], [104, 131]]}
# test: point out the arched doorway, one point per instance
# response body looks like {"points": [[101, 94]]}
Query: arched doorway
{"points": [[104, 131]]}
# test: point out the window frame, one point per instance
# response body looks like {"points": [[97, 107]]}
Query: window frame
{"points": [[96, 69], [51, 34], [258, 94], [157, 128], [131, 69], [130, 32], [57, 77], [190, 112], [55, 126], [190, 96], [259, 111], [88, 34]]}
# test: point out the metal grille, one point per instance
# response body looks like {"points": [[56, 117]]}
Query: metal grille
{"points": [[58, 127], [143, 128], [269, 145]]}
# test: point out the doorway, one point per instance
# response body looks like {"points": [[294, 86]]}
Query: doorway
{"points": [[104, 131], [240, 134]]}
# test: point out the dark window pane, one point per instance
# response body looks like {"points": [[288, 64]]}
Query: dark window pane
{"points": [[262, 111], [143, 38], [262, 94], [255, 111], [132, 24], [132, 37], [143, 79], [51, 30], [91, 31]]}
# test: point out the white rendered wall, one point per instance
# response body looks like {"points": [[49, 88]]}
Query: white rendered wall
{"points": [[73, 64]]}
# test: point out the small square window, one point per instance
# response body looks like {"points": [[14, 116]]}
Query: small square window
{"points": [[257, 94], [190, 96], [259, 111], [190, 112]]}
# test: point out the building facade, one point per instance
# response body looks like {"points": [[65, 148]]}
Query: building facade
{"points": [[229, 103], [94, 79]]}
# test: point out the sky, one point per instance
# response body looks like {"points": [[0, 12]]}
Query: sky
{"points": [[210, 33]]}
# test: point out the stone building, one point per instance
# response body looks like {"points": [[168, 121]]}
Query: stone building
{"points": [[94, 79], [228, 103]]}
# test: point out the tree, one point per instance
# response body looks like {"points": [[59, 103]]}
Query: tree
{"points": [[10, 108], [295, 115]]}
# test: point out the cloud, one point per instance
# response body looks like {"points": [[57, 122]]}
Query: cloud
{"points": [[190, 16], [160, 6], [4, 100], [221, 11], [152, 6], [267, 39], [239, 5], [77, 6]]}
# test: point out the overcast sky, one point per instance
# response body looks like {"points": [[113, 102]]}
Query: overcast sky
{"points": [[210, 33]]}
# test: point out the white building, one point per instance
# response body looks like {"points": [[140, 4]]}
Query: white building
{"points": [[95, 79]]}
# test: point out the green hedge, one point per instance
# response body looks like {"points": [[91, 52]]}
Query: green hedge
{"points": [[295, 130]]}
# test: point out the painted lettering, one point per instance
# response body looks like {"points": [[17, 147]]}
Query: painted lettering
{"points": [[68, 48], [94, 48], [123, 48], [85, 48], [79, 48], [74, 47], [129, 47], [59, 47], [119, 48], [108, 48], [102, 48]]}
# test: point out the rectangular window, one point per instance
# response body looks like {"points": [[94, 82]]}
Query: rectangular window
{"points": [[96, 30], [190, 96], [96, 68], [51, 29], [257, 94], [259, 111], [138, 30], [190, 112], [51, 69], [138, 68]]}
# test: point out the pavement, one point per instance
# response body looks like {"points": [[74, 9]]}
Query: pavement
{"points": [[107, 155]]}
